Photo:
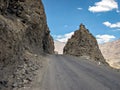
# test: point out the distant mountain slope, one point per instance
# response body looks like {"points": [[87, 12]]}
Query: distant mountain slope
{"points": [[111, 52], [59, 46]]}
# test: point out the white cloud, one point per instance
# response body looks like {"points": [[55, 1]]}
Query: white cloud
{"points": [[79, 8], [104, 38], [104, 6], [110, 25], [63, 38]]}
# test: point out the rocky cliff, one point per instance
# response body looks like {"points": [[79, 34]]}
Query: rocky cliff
{"points": [[83, 43], [23, 28]]}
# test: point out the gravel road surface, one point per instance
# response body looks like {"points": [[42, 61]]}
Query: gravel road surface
{"points": [[70, 73]]}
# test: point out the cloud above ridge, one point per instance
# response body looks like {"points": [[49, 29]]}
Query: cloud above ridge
{"points": [[104, 6], [63, 38], [104, 38], [110, 25]]}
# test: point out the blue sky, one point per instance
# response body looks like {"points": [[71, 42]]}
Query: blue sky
{"points": [[101, 17]]}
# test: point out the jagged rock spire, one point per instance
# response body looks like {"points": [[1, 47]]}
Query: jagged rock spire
{"points": [[83, 43], [82, 26]]}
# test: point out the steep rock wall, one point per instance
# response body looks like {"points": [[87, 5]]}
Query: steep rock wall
{"points": [[23, 28]]}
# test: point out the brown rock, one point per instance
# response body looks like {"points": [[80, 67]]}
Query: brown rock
{"points": [[23, 28], [83, 43]]}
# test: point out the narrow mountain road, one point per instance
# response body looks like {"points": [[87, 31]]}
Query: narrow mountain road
{"points": [[70, 73]]}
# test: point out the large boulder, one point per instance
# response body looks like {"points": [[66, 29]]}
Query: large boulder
{"points": [[83, 43]]}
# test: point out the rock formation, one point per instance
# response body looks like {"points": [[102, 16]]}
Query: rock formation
{"points": [[83, 43], [23, 28]]}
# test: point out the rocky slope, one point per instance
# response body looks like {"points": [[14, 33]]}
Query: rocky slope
{"points": [[23, 29], [111, 52], [83, 43]]}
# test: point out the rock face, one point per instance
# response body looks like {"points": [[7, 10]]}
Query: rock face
{"points": [[83, 43], [24, 22], [111, 52], [23, 28]]}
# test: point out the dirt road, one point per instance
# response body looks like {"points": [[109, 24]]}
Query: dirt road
{"points": [[70, 73]]}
